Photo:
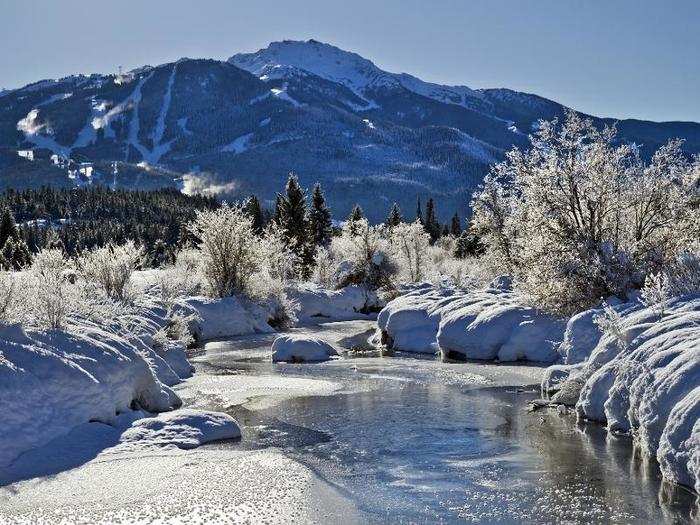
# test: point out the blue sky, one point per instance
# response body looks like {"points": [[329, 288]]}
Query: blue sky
{"points": [[616, 58]]}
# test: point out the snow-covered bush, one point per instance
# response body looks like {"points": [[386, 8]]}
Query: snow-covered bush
{"points": [[111, 267], [579, 217], [50, 290], [8, 297], [363, 256], [410, 243], [228, 249], [679, 277], [324, 268]]}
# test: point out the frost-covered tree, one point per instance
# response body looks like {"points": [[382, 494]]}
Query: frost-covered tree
{"points": [[50, 291], [579, 217], [228, 248], [320, 224], [394, 218], [410, 243], [364, 256], [111, 268]]}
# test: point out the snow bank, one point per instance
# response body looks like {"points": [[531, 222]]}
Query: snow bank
{"points": [[51, 382], [346, 304], [227, 317], [643, 378], [292, 348], [483, 324]]}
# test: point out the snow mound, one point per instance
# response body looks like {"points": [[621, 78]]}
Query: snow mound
{"points": [[341, 305], [483, 324], [54, 381], [643, 378], [291, 348], [182, 428], [227, 317]]}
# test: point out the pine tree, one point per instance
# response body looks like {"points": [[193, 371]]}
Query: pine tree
{"points": [[293, 220], [456, 226], [468, 244], [8, 227], [432, 226], [355, 215], [394, 218], [320, 224], [254, 210], [419, 212], [445, 230]]}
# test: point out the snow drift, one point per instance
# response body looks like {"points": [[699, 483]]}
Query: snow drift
{"points": [[641, 376], [315, 302], [292, 348], [487, 324], [51, 382]]}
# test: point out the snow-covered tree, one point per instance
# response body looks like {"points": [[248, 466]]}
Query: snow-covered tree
{"points": [[579, 217], [111, 268], [228, 248], [50, 290], [410, 243]]}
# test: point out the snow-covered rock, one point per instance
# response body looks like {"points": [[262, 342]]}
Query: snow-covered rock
{"points": [[644, 378], [483, 324], [51, 382], [292, 348], [182, 428], [227, 317], [345, 304]]}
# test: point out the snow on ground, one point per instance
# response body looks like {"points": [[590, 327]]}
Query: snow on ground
{"points": [[316, 302], [176, 486], [295, 348], [239, 145], [487, 324], [641, 376], [227, 317], [51, 382]]}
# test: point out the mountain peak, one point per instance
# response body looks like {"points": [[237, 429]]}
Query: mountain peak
{"points": [[350, 69]]}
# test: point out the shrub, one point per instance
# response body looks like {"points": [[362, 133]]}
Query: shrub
{"points": [[228, 249], [111, 268], [579, 217]]}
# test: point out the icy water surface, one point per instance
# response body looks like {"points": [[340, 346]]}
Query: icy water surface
{"points": [[420, 441]]}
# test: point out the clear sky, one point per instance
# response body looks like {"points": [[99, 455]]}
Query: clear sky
{"points": [[618, 58]]}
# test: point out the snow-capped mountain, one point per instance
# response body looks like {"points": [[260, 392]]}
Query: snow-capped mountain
{"points": [[356, 73], [240, 126]]}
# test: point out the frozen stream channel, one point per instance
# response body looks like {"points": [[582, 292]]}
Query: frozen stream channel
{"points": [[361, 439]]}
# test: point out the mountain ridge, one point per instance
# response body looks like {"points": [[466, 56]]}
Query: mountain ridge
{"points": [[239, 126]]}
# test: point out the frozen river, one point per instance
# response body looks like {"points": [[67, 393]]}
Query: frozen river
{"points": [[362, 439]]}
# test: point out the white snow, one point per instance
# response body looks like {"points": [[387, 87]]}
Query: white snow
{"points": [[643, 380], [227, 317], [295, 348], [317, 303], [185, 428], [487, 324], [284, 59], [51, 382], [239, 145]]}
